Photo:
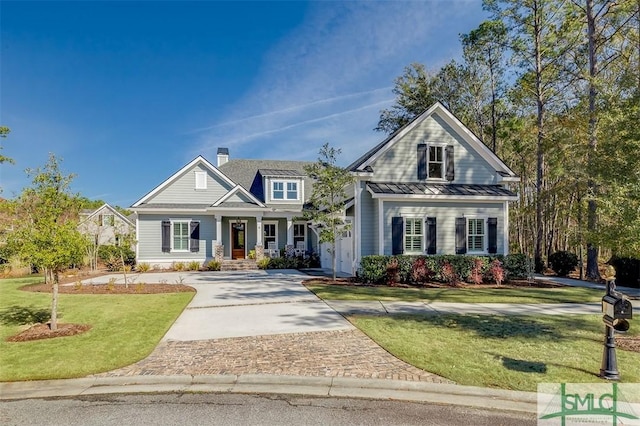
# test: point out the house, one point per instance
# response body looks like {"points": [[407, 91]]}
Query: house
{"points": [[105, 225], [432, 187], [224, 211]]}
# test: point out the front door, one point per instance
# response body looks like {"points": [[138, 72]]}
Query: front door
{"points": [[238, 241]]}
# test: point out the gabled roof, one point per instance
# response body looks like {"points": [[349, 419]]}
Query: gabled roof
{"points": [[238, 189], [199, 159], [365, 161], [108, 207]]}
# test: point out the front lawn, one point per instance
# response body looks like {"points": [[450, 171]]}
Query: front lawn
{"points": [[460, 295], [510, 352], [125, 329]]}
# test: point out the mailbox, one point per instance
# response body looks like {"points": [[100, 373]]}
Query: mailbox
{"points": [[617, 310]]}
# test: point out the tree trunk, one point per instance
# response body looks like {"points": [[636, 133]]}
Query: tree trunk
{"points": [[592, 212], [333, 253], [540, 140], [54, 303]]}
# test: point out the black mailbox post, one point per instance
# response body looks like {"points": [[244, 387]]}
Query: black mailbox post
{"points": [[617, 311]]}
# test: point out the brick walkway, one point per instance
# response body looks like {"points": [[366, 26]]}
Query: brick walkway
{"points": [[328, 354]]}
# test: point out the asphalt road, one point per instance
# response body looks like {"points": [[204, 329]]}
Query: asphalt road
{"points": [[241, 409]]}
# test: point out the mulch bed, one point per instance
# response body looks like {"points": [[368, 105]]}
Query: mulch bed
{"points": [[628, 343], [111, 289], [42, 331], [509, 284]]}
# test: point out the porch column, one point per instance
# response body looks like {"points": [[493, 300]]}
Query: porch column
{"points": [[219, 229], [290, 231], [259, 230]]}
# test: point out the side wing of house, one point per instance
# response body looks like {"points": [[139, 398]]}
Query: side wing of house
{"points": [[431, 188], [106, 226]]}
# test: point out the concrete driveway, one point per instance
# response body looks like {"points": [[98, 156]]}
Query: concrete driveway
{"points": [[242, 304]]}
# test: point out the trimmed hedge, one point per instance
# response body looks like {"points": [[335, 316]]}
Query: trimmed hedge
{"points": [[443, 268], [563, 262]]}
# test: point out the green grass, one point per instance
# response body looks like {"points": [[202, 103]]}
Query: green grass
{"points": [[462, 295], [510, 352], [125, 329]]}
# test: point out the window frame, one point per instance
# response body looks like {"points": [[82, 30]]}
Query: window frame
{"points": [[420, 236], [484, 235], [110, 222], [185, 222], [264, 236], [443, 162], [285, 189], [304, 233]]}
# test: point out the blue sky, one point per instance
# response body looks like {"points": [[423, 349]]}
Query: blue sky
{"points": [[129, 92]]}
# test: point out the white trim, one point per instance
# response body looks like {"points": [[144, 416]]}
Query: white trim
{"points": [[137, 239], [235, 190], [357, 187], [457, 127], [259, 231], [404, 234], [485, 235], [218, 239], [264, 226], [176, 175], [289, 231], [285, 182], [442, 146], [173, 222], [505, 229], [380, 226]]}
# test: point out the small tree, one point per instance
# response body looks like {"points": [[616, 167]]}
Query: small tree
{"points": [[46, 232], [328, 197]]}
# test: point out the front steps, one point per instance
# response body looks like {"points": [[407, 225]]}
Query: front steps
{"points": [[239, 265]]}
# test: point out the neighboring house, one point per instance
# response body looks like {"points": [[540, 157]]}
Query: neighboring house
{"points": [[432, 187], [205, 212], [105, 225]]}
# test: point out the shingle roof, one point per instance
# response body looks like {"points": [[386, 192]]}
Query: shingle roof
{"points": [[443, 189], [246, 173], [173, 206], [278, 173]]}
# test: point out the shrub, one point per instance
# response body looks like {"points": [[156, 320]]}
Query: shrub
{"points": [[21, 315], [143, 267], [213, 265], [393, 272], [194, 266], [497, 271], [252, 254], [449, 273], [627, 271], [263, 263], [421, 272], [516, 265], [373, 269], [477, 271], [563, 262], [111, 256], [178, 266]]}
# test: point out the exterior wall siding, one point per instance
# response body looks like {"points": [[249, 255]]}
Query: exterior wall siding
{"points": [[399, 164], [368, 223], [150, 239], [183, 189], [445, 214]]}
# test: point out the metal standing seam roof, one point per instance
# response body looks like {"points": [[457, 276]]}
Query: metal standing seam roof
{"points": [[420, 188]]}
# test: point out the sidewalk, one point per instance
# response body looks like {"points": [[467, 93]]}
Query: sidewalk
{"points": [[632, 293]]}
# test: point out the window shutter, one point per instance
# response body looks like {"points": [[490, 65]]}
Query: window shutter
{"points": [[422, 161], [461, 235], [492, 224], [397, 235], [99, 220], [194, 232], [450, 165], [166, 236], [431, 235]]}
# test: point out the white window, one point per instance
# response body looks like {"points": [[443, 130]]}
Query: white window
{"points": [[284, 190], [413, 235], [201, 180], [435, 162], [270, 233], [475, 235], [180, 235], [107, 220], [299, 233]]}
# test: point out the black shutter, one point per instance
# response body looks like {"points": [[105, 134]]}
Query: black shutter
{"points": [[450, 165], [166, 236], [194, 232], [492, 223], [397, 235], [461, 235], [422, 161], [431, 235]]}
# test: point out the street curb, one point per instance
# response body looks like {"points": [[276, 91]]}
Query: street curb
{"points": [[437, 393]]}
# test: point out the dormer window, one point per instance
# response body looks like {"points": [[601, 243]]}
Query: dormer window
{"points": [[284, 190], [435, 162]]}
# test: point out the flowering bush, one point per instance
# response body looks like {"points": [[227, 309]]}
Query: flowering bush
{"points": [[497, 271]]}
